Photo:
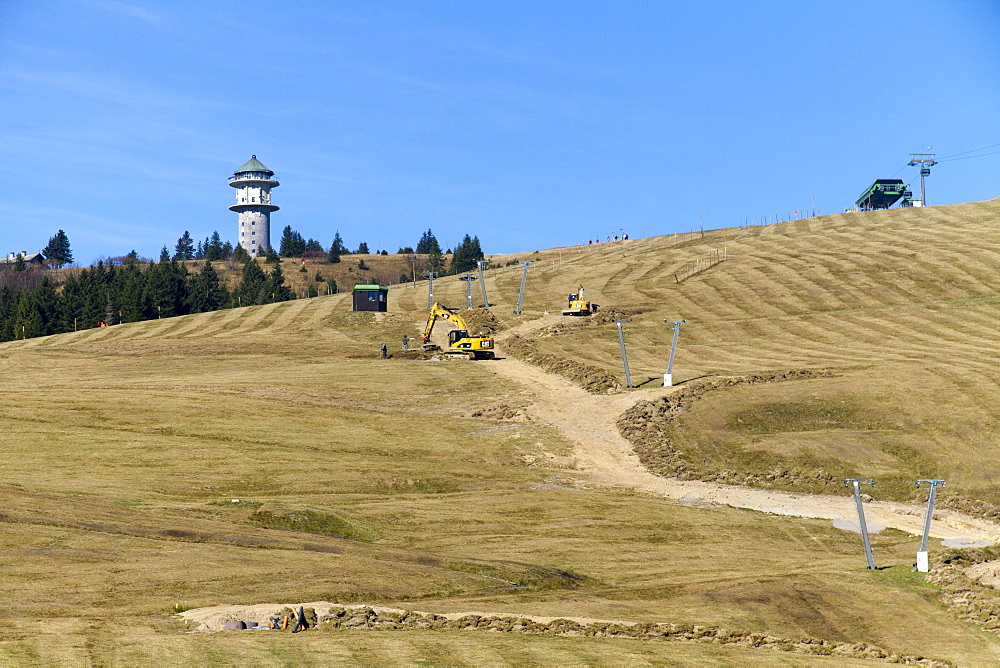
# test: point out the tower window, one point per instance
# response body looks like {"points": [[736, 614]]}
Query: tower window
{"points": [[253, 234], [253, 222], [253, 243], [253, 199]]}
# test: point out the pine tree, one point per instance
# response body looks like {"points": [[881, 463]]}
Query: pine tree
{"points": [[206, 291], [428, 244], [47, 305], [164, 254], [166, 289], [437, 263], [7, 299], [251, 288], [131, 293], [110, 311], [276, 289], [292, 244], [184, 248], [214, 247], [240, 254], [70, 304], [466, 255], [336, 249], [313, 246], [362, 249], [58, 251], [26, 321], [286, 242], [93, 289]]}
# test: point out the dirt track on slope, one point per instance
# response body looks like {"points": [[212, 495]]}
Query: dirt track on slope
{"points": [[603, 457]]}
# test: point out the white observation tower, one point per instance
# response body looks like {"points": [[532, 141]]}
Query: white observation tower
{"points": [[253, 182]]}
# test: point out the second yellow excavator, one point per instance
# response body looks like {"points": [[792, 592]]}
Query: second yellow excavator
{"points": [[460, 343], [578, 305]]}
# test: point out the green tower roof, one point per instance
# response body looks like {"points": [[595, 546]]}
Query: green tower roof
{"points": [[254, 165]]}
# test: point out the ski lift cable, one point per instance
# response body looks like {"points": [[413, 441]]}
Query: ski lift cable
{"points": [[975, 150], [969, 157], [899, 170]]}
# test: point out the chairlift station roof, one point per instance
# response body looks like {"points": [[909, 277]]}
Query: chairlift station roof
{"points": [[882, 194]]}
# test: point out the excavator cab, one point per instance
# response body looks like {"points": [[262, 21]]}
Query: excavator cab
{"points": [[456, 335]]}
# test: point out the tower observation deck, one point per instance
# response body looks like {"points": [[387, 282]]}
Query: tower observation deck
{"points": [[253, 182]]}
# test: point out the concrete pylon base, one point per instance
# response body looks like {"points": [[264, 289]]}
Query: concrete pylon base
{"points": [[922, 563], [668, 380]]}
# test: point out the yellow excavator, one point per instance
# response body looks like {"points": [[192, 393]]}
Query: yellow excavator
{"points": [[578, 305], [460, 343]]}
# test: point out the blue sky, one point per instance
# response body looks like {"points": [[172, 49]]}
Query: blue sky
{"points": [[529, 124]]}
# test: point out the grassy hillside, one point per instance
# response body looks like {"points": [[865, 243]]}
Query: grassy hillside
{"points": [[266, 454], [900, 306]]}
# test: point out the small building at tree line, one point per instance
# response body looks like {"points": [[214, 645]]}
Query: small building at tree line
{"points": [[33, 259], [371, 298]]}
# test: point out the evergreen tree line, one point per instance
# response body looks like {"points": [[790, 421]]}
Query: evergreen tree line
{"points": [[106, 294], [212, 248], [465, 258], [292, 244]]}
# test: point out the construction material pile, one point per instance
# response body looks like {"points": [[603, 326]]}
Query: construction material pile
{"points": [[591, 378]]}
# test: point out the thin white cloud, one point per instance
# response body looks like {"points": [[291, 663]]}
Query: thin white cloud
{"points": [[127, 9]]}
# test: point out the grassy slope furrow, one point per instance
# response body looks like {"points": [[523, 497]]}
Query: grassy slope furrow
{"points": [[124, 457], [257, 318]]}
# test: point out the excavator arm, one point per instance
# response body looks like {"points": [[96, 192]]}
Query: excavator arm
{"points": [[461, 344], [439, 311]]}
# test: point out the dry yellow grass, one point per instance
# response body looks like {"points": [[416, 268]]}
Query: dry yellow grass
{"points": [[900, 305], [127, 445]]}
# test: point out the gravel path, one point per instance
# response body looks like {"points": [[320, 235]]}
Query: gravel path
{"points": [[604, 457]]}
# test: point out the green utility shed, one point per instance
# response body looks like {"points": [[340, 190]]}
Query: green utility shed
{"points": [[371, 298]]}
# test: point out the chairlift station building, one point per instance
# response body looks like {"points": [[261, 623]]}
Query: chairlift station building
{"points": [[253, 182], [371, 297]]}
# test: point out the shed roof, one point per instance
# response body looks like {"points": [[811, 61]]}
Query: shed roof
{"points": [[370, 287]]}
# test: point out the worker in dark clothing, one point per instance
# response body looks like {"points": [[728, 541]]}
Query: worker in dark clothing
{"points": [[385, 351], [300, 616], [406, 343]]}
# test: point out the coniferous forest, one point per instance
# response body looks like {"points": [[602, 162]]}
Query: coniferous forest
{"points": [[127, 289], [108, 294]]}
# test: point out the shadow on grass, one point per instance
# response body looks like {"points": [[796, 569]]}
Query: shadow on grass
{"points": [[659, 379]]}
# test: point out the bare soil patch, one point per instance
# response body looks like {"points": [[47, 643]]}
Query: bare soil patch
{"points": [[323, 615]]}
